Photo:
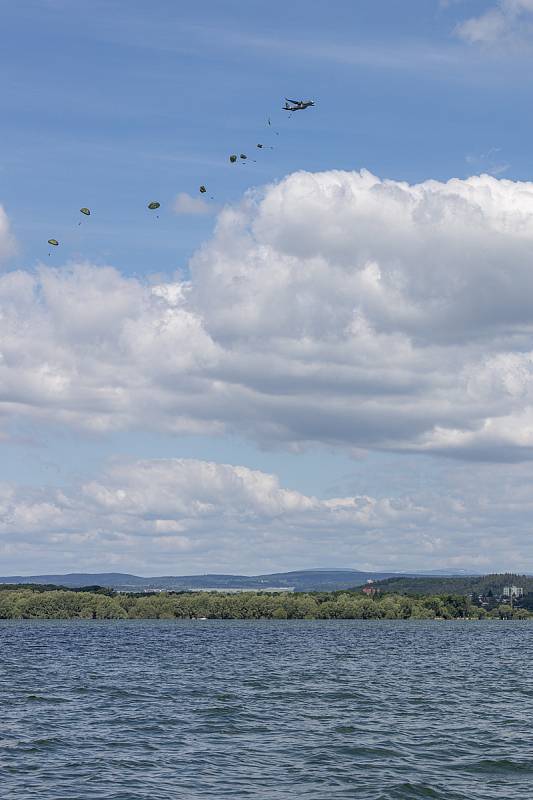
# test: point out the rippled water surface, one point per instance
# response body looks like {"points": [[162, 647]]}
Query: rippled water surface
{"points": [[288, 709]]}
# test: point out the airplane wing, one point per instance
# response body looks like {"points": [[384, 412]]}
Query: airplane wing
{"points": [[296, 102]]}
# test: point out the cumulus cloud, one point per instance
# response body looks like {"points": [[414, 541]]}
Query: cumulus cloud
{"points": [[332, 308], [508, 20], [186, 204], [177, 515]]}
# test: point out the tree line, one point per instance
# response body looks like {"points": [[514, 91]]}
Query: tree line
{"points": [[36, 603]]}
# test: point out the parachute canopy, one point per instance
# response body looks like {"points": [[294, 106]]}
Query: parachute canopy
{"points": [[233, 159], [153, 205], [203, 190], [85, 211], [53, 242]]}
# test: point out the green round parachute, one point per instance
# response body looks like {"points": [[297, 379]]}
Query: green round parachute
{"points": [[203, 190], [153, 205], [85, 211], [53, 242], [233, 159]]}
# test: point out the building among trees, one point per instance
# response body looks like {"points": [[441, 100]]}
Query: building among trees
{"points": [[512, 592]]}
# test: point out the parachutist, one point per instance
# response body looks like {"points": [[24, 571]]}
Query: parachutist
{"points": [[86, 212]]}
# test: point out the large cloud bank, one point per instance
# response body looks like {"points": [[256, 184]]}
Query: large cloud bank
{"points": [[331, 308], [177, 515]]}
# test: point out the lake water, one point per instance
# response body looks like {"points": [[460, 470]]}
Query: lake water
{"points": [[136, 710]]}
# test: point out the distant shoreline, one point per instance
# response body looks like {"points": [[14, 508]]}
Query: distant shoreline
{"points": [[26, 603]]}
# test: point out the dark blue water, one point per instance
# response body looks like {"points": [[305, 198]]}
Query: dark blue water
{"points": [[288, 709]]}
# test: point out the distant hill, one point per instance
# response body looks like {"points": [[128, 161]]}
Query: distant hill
{"points": [[307, 580], [301, 580], [463, 584]]}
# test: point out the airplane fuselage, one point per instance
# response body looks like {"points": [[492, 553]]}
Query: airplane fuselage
{"points": [[298, 106]]}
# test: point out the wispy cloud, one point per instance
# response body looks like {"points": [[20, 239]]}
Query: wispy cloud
{"points": [[186, 204], [489, 162], [194, 38], [399, 54], [507, 21], [7, 240]]}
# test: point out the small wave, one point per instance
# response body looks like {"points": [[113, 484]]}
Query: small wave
{"points": [[39, 698], [50, 742], [219, 711], [418, 791], [345, 729], [500, 766]]}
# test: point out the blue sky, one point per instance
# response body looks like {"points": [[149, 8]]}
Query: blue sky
{"points": [[111, 105]]}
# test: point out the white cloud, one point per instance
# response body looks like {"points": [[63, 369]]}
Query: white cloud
{"points": [[332, 308], [7, 240], [507, 20], [186, 204], [176, 516]]}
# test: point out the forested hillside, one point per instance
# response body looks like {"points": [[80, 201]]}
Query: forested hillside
{"points": [[455, 585], [308, 580]]}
